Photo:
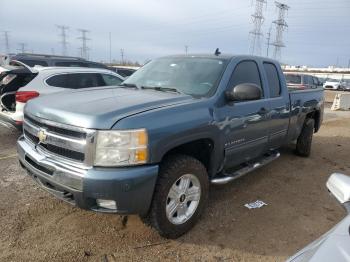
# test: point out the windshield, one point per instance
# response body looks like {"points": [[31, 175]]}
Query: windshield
{"points": [[194, 76], [333, 80], [293, 79]]}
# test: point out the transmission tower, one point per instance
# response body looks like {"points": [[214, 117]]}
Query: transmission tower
{"points": [[63, 35], [256, 33], [186, 49], [281, 25], [84, 49], [7, 42]]}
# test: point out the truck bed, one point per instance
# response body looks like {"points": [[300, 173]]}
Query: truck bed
{"points": [[302, 103]]}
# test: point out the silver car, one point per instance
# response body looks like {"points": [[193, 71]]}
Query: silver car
{"points": [[335, 244]]}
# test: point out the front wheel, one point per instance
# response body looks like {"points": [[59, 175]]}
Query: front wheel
{"points": [[180, 196]]}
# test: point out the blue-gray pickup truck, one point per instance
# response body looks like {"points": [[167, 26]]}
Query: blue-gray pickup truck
{"points": [[154, 144]]}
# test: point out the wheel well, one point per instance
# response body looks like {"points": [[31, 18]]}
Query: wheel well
{"points": [[316, 115], [200, 149]]}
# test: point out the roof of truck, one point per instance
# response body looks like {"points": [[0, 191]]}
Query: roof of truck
{"points": [[226, 57]]}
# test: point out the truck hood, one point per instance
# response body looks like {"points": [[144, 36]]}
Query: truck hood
{"points": [[100, 108]]}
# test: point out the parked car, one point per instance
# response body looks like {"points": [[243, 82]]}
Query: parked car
{"points": [[176, 125], [55, 60], [335, 244], [21, 84], [301, 81], [334, 84], [124, 71], [346, 84]]}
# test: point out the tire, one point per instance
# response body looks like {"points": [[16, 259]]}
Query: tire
{"points": [[174, 173], [304, 141]]}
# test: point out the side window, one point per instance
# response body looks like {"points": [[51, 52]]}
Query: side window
{"points": [[70, 64], [33, 63], [76, 81], [85, 80], [273, 79], [245, 72], [58, 81], [111, 80]]}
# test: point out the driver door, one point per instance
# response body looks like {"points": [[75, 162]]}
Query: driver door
{"points": [[246, 122]]}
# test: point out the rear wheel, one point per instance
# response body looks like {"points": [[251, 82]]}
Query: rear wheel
{"points": [[180, 196], [304, 141]]}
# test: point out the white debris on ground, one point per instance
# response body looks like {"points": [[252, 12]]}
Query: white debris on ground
{"points": [[256, 204]]}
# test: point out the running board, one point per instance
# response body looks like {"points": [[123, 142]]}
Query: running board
{"points": [[226, 178]]}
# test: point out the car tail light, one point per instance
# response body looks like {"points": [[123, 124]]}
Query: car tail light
{"points": [[24, 96]]}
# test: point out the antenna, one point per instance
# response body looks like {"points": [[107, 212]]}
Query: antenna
{"points": [[63, 35], [84, 49], [258, 19], [281, 25]]}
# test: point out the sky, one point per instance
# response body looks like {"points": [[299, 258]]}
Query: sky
{"points": [[318, 32]]}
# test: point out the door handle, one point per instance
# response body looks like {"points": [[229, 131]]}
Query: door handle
{"points": [[263, 111]]}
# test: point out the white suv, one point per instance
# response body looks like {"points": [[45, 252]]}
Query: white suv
{"points": [[20, 84]]}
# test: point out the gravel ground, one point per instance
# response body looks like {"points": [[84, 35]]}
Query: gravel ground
{"points": [[37, 227]]}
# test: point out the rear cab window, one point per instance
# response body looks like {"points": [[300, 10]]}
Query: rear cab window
{"points": [[293, 79], [273, 79]]}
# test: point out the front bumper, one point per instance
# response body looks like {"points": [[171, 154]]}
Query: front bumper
{"points": [[130, 187]]}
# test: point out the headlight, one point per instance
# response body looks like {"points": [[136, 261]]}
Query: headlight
{"points": [[121, 148]]}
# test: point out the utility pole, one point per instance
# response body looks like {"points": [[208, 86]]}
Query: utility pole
{"points": [[122, 55], [256, 33], [84, 49], [349, 64], [63, 35], [7, 42], [110, 47], [186, 49], [268, 41], [281, 25], [22, 47]]}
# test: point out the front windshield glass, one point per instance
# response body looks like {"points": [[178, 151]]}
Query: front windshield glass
{"points": [[194, 76]]}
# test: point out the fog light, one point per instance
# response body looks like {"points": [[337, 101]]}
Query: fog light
{"points": [[108, 204]]}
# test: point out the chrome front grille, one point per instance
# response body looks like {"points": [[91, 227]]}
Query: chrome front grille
{"points": [[70, 143]]}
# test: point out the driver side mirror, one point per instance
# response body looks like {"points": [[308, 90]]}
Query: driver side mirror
{"points": [[339, 185], [244, 92]]}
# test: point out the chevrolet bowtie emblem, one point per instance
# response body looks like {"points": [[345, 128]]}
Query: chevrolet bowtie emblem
{"points": [[42, 136]]}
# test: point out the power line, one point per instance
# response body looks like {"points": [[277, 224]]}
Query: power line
{"points": [[281, 25], [258, 19], [63, 36], [84, 49]]}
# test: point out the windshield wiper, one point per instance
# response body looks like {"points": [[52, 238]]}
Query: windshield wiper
{"points": [[160, 88], [128, 85]]}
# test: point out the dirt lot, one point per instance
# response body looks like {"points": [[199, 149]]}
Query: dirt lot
{"points": [[37, 227]]}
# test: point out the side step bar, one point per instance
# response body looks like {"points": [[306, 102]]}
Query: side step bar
{"points": [[226, 178]]}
